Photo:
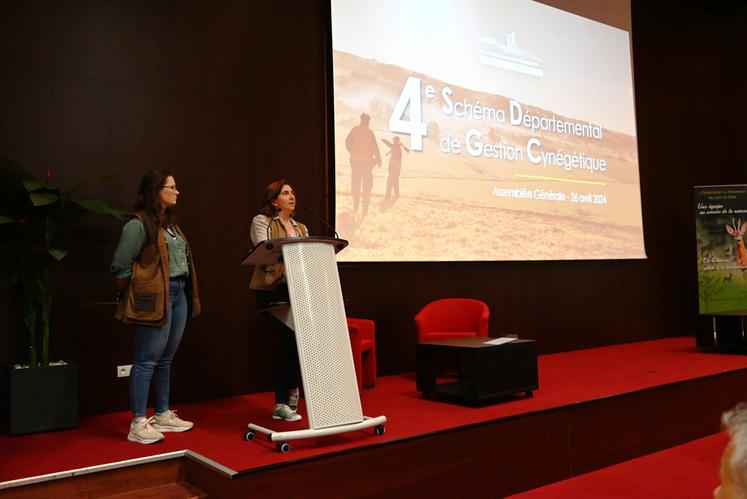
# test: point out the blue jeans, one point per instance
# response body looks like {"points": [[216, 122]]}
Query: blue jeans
{"points": [[155, 347]]}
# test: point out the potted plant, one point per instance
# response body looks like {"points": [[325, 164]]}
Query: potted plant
{"points": [[34, 217]]}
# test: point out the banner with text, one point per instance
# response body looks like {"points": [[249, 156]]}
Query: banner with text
{"points": [[720, 225]]}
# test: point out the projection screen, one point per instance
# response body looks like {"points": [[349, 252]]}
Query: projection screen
{"points": [[482, 130]]}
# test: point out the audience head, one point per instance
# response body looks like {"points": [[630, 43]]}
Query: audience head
{"points": [[733, 470]]}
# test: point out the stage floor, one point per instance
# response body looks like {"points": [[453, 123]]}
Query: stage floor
{"points": [[565, 379], [686, 471]]}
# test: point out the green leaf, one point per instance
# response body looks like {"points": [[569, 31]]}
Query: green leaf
{"points": [[101, 207], [68, 195], [10, 170], [43, 198], [33, 185], [57, 254]]}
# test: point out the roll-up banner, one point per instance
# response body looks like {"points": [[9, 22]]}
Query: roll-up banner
{"points": [[720, 227]]}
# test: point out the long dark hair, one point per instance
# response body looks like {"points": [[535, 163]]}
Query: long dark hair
{"points": [[271, 194], [148, 201]]}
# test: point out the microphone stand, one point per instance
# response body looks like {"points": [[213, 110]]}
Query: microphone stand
{"points": [[306, 208], [274, 217]]}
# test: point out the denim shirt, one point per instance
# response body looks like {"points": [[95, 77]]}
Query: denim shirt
{"points": [[131, 243]]}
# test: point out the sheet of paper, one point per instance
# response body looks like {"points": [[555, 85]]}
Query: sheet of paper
{"points": [[500, 341]]}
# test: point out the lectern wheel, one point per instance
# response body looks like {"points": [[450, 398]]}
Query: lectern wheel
{"points": [[283, 447], [379, 430], [249, 436]]}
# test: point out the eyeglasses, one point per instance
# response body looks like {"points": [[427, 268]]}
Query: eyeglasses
{"points": [[172, 187]]}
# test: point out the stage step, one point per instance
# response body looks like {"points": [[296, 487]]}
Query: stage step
{"points": [[157, 479], [177, 490]]}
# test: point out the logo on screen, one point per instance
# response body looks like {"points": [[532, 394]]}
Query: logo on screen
{"points": [[509, 56]]}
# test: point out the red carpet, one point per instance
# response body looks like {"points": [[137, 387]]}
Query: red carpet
{"points": [[685, 471], [565, 378]]}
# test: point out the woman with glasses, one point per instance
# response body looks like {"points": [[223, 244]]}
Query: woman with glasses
{"points": [[154, 271], [275, 221]]}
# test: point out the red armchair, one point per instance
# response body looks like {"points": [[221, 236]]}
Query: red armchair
{"points": [[452, 318], [363, 343]]}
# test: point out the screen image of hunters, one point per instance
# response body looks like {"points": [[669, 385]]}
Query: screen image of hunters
{"points": [[482, 130]]}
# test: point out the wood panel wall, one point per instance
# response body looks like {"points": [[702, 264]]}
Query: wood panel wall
{"points": [[231, 95]]}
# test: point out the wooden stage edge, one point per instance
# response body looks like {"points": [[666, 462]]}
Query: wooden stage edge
{"points": [[498, 457]]}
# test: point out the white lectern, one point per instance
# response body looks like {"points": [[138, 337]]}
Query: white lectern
{"points": [[317, 314]]}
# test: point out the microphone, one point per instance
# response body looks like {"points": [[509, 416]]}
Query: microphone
{"points": [[321, 220]]}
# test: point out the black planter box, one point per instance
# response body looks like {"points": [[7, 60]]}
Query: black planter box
{"points": [[41, 399]]}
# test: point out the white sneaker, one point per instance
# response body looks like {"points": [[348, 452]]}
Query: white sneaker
{"points": [[143, 433], [169, 421], [282, 411]]}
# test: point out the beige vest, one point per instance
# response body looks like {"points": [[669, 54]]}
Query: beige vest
{"points": [[267, 277]]}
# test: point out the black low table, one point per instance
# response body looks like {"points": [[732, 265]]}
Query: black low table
{"points": [[484, 371]]}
